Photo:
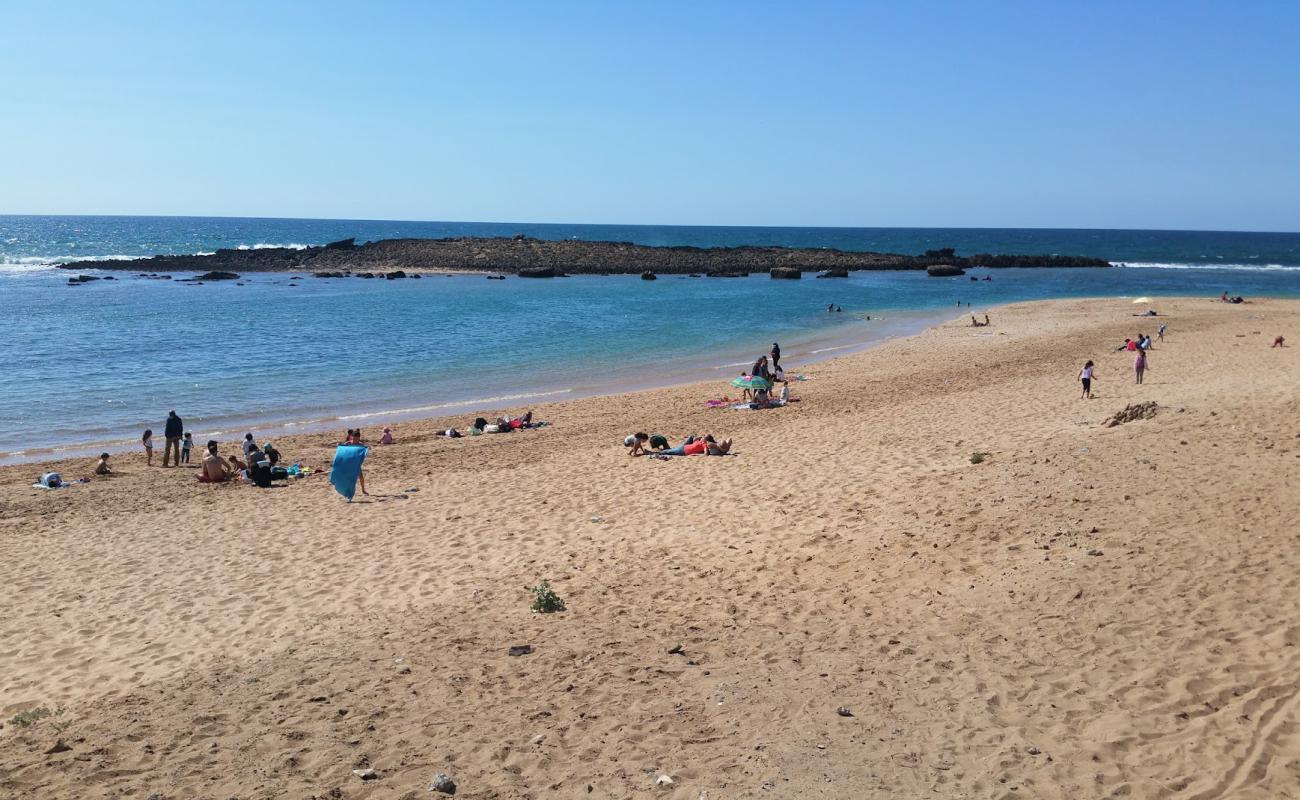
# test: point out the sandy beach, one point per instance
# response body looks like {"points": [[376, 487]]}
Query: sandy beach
{"points": [[1089, 611]]}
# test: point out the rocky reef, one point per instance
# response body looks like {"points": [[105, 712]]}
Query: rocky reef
{"points": [[539, 258]]}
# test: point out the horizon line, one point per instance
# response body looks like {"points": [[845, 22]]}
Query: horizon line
{"points": [[655, 225]]}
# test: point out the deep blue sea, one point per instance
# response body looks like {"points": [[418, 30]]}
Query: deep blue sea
{"points": [[100, 362]]}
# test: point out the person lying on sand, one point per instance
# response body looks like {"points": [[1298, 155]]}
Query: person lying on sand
{"points": [[102, 467], [699, 447]]}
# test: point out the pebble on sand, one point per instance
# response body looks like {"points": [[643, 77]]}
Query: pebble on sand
{"points": [[442, 782]]}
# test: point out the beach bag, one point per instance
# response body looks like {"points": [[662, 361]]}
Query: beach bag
{"points": [[260, 475]]}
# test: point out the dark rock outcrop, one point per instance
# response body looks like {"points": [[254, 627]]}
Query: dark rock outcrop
{"points": [[217, 275], [786, 273], [648, 276], [557, 258], [839, 272], [944, 271], [392, 276], [537, 272], [83, 279], [342, 244]]}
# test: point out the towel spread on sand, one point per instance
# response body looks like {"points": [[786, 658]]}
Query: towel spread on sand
{"points": [[346, 468]]}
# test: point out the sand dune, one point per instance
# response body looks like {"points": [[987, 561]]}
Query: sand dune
{"points": [[1090, 612]]}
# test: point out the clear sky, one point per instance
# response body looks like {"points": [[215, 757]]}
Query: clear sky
{"points": [[1025, 114]]}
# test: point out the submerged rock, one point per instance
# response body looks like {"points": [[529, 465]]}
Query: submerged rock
{"points": [[944, 271], [537, 272], [786, 273], [217, 276]]}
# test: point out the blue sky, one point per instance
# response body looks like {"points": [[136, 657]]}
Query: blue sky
{"points": [[1027, 114]]}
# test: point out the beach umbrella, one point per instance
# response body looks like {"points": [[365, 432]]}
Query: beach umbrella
{"points": [[751, 382], [346, 468]]}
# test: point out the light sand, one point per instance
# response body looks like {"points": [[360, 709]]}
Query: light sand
{"points": [[225, 641]]}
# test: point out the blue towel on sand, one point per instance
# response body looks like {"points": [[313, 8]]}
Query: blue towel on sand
{"points": [[346, 468]]}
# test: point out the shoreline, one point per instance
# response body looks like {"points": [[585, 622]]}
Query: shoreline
{"points": [[849, 337]]}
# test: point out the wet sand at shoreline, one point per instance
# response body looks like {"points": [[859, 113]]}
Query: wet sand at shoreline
{"points": [[1090, 612]]}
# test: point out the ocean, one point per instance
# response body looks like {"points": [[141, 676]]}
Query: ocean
{"points": [[90, 367]]}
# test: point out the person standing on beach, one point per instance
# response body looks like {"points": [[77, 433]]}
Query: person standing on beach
{"points": [[776, 356], [1140, 364], [1085, 377], [1160, 334], [172, 431], [147, 441], [249, 444]]}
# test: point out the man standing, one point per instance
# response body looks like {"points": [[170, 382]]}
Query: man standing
{"points": [[776, 356], [172, 432]]}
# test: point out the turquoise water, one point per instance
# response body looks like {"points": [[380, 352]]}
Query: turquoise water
{"points": [[100, 362]]}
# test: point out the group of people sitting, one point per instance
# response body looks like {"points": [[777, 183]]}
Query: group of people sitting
{"points": [[502, 425], [1141, 343], [1223, 298], [644, 444], [974, 323], [259, 466]]}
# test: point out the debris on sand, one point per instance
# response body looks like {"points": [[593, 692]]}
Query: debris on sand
{"points": [[1131, 413]]}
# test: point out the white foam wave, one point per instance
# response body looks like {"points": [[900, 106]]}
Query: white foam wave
{"points": [[828, 349], [486, 401], [1223, 267], [48, 261], [268, 246]]}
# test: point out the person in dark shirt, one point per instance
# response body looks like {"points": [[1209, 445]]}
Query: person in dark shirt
{"points": [[172, 432], [776, 355]]}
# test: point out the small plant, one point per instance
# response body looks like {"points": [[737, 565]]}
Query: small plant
{"points": [[33, 715], [978, 458], [545, 600]]}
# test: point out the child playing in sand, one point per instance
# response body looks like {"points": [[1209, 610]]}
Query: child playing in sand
{"points": [[636, 444], [186, 444], [1279, 341], [1160, 334], [102, 467], [147, 441], [1140, 364], [1085, 377], [387, 438]]}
